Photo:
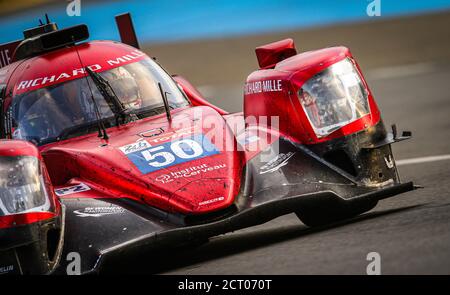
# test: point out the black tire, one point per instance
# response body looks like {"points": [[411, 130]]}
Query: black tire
{"points": [[326, 213], [36, 248]]}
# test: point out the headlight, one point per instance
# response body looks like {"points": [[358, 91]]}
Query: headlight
{"points": [[22, 187], [334, 98]]}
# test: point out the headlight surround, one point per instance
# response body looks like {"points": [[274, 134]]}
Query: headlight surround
{"points": [[334, 98], [22, 187]]}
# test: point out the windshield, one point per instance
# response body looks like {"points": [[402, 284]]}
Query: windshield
{"points": [[67, 109]]}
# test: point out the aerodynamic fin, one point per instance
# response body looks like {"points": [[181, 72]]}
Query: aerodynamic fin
{"points": [[126, 30]]}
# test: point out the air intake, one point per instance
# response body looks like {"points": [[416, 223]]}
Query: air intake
{"points": [[53, 40], [42, 29]]}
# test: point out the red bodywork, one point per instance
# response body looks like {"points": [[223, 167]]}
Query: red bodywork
{"points": [[14, 148], [293, 73], [106, 170]]}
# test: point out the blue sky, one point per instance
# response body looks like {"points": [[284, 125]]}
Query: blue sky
{"points": [[171, 21]]}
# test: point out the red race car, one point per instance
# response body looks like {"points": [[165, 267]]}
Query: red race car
{"points": [[105, 155]]}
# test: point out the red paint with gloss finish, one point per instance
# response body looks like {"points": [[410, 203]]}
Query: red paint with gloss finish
{"points": [[107, 170], [15, 148], [293, 73], [64, 65], [19, 148], [25, 218]]}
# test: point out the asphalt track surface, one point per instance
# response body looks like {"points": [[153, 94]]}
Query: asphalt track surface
{"points": [[411, 231]]}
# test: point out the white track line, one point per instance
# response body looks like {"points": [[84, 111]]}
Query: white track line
{"points": [[422, 160]]}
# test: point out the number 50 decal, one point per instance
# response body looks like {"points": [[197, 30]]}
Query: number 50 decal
{"points": [[172, 153], [177, 149]]}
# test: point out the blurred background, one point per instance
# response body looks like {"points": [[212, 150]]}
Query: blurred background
{"points": [[212, 42], [402, 46]]}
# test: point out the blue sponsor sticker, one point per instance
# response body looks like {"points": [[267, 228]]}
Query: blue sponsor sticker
{"points": [[172, 153]]}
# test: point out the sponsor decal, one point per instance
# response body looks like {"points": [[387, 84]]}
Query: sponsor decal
{"points": [[42, 81], [389, 162], [276, 163], [135, 54], [5, 58], [135, 147], [164, 155], [188, 172], [82, 187], [263, 86], [152, 133], [99, 211], [154, 136], [6, 52], [6, 269], [75, 73], [184, 132], [215, 200]]}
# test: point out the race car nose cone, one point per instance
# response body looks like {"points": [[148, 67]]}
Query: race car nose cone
{"points": [[204, 195]]}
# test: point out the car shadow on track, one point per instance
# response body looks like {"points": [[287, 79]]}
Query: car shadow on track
{"points": [[170, 259]]}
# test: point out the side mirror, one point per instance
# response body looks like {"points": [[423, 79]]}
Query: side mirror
{"points": [[270, 54]]}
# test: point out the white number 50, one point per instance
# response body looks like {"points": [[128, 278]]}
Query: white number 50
{"points": [[176, 148]]}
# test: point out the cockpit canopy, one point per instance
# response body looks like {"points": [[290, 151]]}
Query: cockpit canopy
{"points": [[72, 107]]}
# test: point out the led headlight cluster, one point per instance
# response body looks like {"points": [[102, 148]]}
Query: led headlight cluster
{"points": [[334, 98], [22, 188]]}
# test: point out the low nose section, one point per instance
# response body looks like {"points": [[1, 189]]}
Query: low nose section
{"points": [[204, 195]]}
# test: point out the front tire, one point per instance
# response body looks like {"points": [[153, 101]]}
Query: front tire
{"points": [[326, 213]]}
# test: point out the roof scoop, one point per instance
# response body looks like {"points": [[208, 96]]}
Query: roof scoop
{"points": [[41, 29], [54, 39]]}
